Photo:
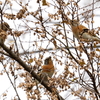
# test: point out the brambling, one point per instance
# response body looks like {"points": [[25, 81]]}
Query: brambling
{"points": [[4, 27], [47, 69], [3, 36], [82, 32]]}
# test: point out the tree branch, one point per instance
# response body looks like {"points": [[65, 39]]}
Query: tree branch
{"points": [[27, 68]]}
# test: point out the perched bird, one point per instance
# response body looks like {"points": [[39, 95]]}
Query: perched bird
{"points": [[3, 36], [82, 32], [4, 27], [47, 69]]}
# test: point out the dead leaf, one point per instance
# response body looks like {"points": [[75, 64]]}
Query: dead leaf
{"points": [[30, 61], [44, 3]]}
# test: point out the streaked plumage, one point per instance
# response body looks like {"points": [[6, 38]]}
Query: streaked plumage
{"points": [[82, 32]]}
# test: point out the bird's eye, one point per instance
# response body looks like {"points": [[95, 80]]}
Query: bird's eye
{"points": [[72, 21]]}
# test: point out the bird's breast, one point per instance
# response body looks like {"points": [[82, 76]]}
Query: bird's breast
{"points": [[77, 30]]}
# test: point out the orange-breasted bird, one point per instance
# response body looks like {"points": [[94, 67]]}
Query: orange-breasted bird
{"points": [[82, 32], [47, 69]]}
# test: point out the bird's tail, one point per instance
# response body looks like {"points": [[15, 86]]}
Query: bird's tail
{"points": [[96, 38]]}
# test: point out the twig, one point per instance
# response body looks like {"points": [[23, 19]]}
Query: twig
{"points": [[11, 82], [27, 68]]}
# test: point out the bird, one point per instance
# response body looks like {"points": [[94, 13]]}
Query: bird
{"points": [[3, 36], [4, 27], [81, 32], [47, 69]]}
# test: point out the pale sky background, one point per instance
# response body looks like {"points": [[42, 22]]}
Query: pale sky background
{"points": [[5, 84]]}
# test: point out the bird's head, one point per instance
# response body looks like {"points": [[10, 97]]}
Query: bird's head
{"points": [[74, 22], [47, 60]]}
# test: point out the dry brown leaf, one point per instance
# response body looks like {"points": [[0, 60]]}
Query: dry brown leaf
{"points": [[44, 3]]}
